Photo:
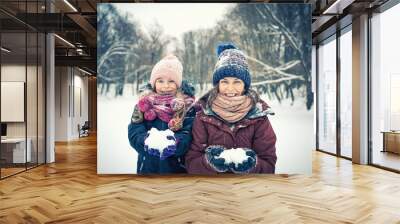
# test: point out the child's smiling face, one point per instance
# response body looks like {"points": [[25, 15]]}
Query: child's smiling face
{"points": [[165, 86], [230, 86]]}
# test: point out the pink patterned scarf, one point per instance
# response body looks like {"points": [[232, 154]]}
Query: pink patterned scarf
{"points": [[168, 108]]}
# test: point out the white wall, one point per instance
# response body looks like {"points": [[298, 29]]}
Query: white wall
{"points": [[13, 73], [16, 73], [70, 83], [12, 101], [80, 89], [33, 126], [61, 103]]}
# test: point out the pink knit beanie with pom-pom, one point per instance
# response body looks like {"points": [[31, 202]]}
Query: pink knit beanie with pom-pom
{"points": [[169, 67]]}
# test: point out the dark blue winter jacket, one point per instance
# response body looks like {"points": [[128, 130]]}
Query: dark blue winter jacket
{"points": [[149, 164]]}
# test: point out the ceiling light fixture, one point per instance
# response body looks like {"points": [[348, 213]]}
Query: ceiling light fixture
{"points": [[84, 71], [70, 5], [5, 50], [337, 7], [64, 40]]}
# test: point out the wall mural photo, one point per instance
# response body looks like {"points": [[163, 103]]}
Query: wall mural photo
{"points": [[204, 88]]}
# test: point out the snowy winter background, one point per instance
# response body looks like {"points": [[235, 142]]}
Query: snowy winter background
{"points": [[280, 72], [293, 125]]}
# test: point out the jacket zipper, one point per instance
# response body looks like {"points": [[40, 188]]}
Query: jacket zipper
{"points": [[141, 165]]}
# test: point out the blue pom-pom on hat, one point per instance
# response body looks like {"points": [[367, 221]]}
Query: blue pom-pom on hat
{"points": [[224, 46]]}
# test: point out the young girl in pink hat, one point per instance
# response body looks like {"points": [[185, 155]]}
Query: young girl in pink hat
{"points": [[161, 123]]}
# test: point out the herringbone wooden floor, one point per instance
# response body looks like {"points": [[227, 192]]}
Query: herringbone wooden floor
{"points": [[70, 191]]}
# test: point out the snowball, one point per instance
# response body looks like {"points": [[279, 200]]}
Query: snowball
{"points": [[158, 139], [235, 156]]}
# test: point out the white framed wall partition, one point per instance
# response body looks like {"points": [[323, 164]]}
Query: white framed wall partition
{"points": [[22, 95], [334, 93], [326, 110]]}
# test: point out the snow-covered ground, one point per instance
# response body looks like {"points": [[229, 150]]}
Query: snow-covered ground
{"points": [[293, 125], [294, 129]]}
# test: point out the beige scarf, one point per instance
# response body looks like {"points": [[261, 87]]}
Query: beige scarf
{"points": [[232, 109]]}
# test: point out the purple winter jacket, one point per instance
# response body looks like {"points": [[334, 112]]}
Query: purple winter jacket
{"points": [[254, 132]]}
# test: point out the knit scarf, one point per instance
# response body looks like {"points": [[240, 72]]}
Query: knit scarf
{"points": [[231, 109], [168, 108]]}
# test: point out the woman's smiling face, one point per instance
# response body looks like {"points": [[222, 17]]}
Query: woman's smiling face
{"points": [[165, 86], [230, 87]]}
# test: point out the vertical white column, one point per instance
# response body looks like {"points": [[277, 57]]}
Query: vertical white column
{"points": [[50, 93]]}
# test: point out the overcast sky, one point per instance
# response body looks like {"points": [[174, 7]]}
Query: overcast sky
{"points": [[176, 18]]}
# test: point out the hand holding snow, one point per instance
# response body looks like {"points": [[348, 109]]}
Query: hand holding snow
{"points": [[212, 155], [237, 160], [240, 160], [159, 140], [235, 156]]}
